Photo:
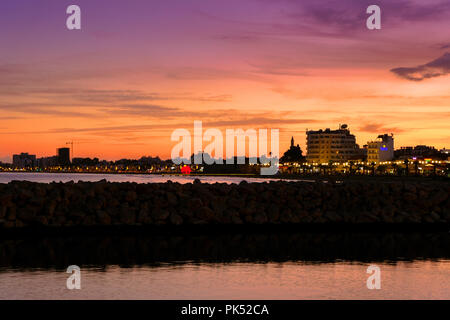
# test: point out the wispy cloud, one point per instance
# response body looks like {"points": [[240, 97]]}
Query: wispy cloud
{"points": [[436, 68], [336, 18], [43, 110], [222, 118], [279, 67], [379, 128]]}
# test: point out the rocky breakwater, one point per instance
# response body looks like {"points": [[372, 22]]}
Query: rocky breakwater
{"points": [[86, 204]]}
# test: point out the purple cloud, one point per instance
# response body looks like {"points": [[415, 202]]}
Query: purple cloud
{"points": [[435, 68], [331, 18]]}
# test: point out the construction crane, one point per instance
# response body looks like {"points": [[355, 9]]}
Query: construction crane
{"points": [[71, 146]]}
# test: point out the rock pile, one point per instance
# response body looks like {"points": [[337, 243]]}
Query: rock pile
{"points": [[102, 203]]}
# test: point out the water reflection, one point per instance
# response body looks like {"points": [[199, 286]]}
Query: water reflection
{"points": [[44, 177], [155, 250]]}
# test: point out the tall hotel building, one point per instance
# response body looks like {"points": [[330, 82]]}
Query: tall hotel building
{"points": [[328, 145]]}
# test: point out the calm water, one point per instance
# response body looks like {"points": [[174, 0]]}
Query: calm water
{"points": [[288, 280], [230, 266], [6, 177], [233, 266]]}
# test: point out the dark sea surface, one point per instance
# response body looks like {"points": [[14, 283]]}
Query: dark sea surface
{"points": [[44, 177], [290, 265]]}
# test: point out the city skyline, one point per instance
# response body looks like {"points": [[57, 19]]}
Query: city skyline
{"points": [[363, 151], [138, 71]]}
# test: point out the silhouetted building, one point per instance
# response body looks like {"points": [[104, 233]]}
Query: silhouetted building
{"points": [[85, 162], [149, 160], [46, 162], [294, 154], [381, 149], [328, 145], [5, 165], [24, 160], [63, 156], [419, 152], [445, 153]]}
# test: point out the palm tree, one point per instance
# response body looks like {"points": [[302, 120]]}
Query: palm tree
{"points": [[330, 167], [395, 167], [351, 167], [416, 167], [381, 169], [323, 168]]}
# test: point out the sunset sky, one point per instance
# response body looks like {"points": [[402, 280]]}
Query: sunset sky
{"points": [[140, 69]]}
